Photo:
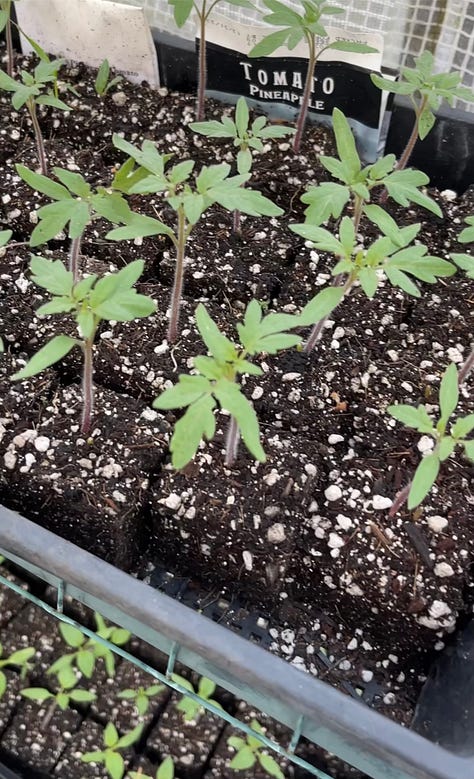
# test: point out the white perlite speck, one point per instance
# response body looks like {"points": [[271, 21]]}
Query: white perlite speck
{"points": [[439, 609], [310, 469], [367, 676], [149, 414], [379, 502], [333, 492], [425, 444], [9, 458], [276, 533], [173, 501], [437, 523], [42, 443], [248, 559], [119, 496], [443, 570], [335, 438], [344, 522], [335, 541]]}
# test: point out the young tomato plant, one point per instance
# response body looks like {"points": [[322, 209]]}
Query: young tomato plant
{"points": [[110, 756], [444, 443], [141, 696], [75, 204], [190, 708], [216, 382], [297, 27], [426, 91], [212, 185], [67, 681], [19, 659], [203, 8], [245, 138], [392, 255], [87, 650], [329, 199], [102, 84], [249, 751], [164, 771], [32, 90], [89, 301]]}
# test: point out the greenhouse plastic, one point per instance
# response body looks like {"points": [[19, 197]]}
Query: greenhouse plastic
{"points": [[308, 706]]}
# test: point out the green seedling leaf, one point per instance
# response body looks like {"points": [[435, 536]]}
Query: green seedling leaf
{"points": [[270, 765], [36, 694], [425, 476], [111, 735], [321, 306], [244, 759], [71, 635], [231, 399], [197, 423], [130, 738], [115, 765], [463, 426], [325, 201], [54, 351], [449, 392]]}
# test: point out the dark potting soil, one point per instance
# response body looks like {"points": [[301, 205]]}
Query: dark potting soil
{"points": [[306, 536]]}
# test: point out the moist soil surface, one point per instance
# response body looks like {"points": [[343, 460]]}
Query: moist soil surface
{"points": [[304, 539]]}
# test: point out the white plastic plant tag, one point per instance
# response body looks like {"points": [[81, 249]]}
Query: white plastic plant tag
{"points": [[90, 31]]}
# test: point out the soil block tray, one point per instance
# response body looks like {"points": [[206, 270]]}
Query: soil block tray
{"points": [[304, 540]]}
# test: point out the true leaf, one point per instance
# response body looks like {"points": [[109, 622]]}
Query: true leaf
{"points": [[198, 422], [115, 765], [231, 399], [245, 758], [52, 352], [449, 392], [423, 480]]}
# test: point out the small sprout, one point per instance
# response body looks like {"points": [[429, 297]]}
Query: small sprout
{"points": [[426, 91], [444, 443], [32, 90], [88, 650], [111, 758], [75, 204], [297, 27], [67, 681], [141, 696], [182, 11], [188, 200], [190, 708], [165, 771], [18, 659], [245, 137], [90, 301], [102, 85], [216, 382], [249, 751]]}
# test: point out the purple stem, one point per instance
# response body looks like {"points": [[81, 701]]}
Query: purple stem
{"points": [[466, 368], [202, 77], [31, 106], [232, 442], [74, 254], [8, 36], [178, 278], [236, 227], [306, 96], [87, 387], [407, 152], [400, 498]]}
